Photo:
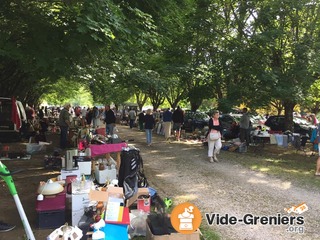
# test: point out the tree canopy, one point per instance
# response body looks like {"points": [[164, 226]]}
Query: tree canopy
{"points": [[256, 53]]}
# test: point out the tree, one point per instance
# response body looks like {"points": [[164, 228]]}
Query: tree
{"points": [[312, 100], [174, 91], [64, 91], [267, 52], [47, 40], [160, 59], [289, 29]]}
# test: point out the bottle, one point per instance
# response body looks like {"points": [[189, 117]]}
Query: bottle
{"points": [[83, 181]]}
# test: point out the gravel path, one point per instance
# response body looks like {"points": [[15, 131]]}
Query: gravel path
{"points": [[181, 171]]}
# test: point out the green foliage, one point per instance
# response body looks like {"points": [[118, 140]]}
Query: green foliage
{"points": [[47, 40], [312, 100], [181, 52], [70, 91]]}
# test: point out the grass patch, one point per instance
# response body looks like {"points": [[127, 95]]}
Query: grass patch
{"points": [[287, 165], [208, 233]]}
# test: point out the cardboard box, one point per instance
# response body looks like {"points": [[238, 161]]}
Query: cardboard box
{"points": [[85, 167], [78, 204], [65, 173], [103, 175], [116, 192], [172, 236], [79, 201], [76, 217], [84, 164]]}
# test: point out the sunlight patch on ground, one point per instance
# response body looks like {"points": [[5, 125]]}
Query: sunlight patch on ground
{"points": [[291, 170], [155, 151], [168, 158], [44, 174], [281, 185], [254, 180], [40, 168], [164, 175], [264, 169], [186, 198], [260, 175], [273, 160], [188, 149], [192, 142], [197, 187]]}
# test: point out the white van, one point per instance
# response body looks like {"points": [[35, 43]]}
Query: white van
{"points": [[11, 120]]}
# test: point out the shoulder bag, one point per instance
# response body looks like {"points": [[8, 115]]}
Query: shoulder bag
{"points": [[213, 136]]}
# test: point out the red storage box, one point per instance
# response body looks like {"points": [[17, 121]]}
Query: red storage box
{"points": [[101, 131], [52, 202]]}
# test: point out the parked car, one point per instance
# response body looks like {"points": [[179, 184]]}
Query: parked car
{"points": [[227, 120], [300, 125], [12, 119], [193, 120]]}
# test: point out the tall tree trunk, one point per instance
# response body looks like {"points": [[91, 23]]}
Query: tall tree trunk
{"points": [[288, 114], [141, 100], [195, 105]]}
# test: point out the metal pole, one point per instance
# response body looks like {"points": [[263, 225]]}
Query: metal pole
{"points": [[24, 218]]}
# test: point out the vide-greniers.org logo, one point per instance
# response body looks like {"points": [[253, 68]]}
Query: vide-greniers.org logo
{"points": [[294, 223], [250, 219]]}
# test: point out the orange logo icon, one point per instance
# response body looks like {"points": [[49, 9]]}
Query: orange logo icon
{"points": [[186, 218]]}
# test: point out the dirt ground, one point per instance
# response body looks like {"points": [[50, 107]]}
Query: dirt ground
{"points": [[180, 170]]}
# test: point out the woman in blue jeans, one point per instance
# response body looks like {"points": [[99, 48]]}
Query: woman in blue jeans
{"points": [[148, 126]]}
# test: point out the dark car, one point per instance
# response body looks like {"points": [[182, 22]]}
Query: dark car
{"points": [[193, 120], [228, 120], [230, 125], [300, 125]]}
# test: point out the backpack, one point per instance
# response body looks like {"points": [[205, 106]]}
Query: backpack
{"points": [[131, 173]]}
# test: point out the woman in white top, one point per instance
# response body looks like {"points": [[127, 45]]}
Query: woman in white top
{"points": [[214, 137]]}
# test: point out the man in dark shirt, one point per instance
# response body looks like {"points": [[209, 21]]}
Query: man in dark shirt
{"points": [[64, 124], [177, 118], [41, 112], [110, 120], [141, 120], [167, 119]]}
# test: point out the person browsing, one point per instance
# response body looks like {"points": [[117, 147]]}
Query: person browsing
{"points": [[214, 137]]}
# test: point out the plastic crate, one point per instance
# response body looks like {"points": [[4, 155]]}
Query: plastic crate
{"points": [[51, 219]]}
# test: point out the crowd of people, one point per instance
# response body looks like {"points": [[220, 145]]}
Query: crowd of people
{"points": [[172, 122], [147, 121]]}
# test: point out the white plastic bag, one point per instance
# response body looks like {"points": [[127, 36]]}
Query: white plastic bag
{"points": [[35, 147], [138, 225]]}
